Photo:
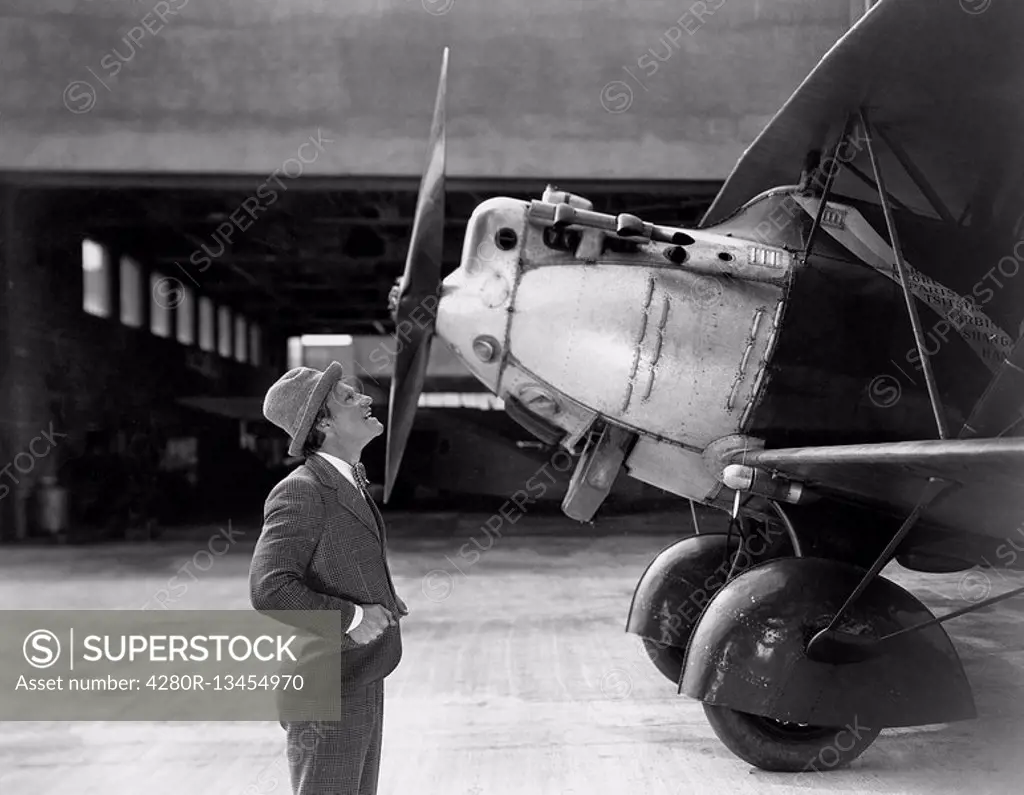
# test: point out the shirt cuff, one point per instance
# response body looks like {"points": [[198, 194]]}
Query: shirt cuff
{"points": [[357, 618]]}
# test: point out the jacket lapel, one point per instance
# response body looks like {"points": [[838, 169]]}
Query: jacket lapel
{"points": [[380, 520], [348, 495]]}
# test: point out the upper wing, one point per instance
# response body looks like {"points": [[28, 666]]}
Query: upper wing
{"points": [[987, 477], [943, 82]]}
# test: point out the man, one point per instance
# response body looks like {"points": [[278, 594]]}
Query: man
{"points": [[324, 547]]}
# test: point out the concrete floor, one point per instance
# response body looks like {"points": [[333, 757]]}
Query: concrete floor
{"points": [[517, 678]]}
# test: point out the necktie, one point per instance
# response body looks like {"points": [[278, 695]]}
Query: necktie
{"points": [[359, 471], [361, 480]]}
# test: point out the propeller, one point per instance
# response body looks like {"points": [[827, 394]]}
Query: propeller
{"points": [[414, 300]]}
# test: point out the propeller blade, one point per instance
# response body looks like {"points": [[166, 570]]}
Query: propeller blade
{"points": [[417, 292]]}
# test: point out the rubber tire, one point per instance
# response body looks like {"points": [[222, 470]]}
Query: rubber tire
{"points": [[667, 659], [771, 747]]}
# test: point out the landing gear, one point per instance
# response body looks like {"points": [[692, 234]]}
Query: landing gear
{"points": [[673, 592], [777, 706], [679, 582], [667, 659], [792, 672], [780, 746]]}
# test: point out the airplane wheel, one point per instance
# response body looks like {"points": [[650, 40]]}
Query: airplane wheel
{"points": [[787, 747], [681, 581], [686, 576], [667, 659]]}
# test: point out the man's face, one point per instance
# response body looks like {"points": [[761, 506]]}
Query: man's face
{"points": [[351, 421]]}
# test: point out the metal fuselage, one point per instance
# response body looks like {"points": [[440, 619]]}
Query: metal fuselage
{"points": [[731, 331]]}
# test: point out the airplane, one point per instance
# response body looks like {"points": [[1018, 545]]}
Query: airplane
{"points": [[833, 357]]}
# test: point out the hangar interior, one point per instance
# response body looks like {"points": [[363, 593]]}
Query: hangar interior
{"points": [[146, 318], [160, 258]]}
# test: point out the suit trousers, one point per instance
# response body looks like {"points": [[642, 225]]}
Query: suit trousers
{"points": [[339, 757]]}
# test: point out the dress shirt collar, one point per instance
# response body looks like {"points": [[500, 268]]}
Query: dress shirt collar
{"points": [[344, 467]]}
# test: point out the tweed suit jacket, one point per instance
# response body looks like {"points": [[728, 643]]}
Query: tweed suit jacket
{"points": [[324, 548]]}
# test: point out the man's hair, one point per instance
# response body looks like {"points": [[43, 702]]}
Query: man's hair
{"points": [[315, 437]]}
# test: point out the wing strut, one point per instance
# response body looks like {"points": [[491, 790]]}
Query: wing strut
{"points": [[915, 320], [830, 645], [833, 171], [861, 648]]}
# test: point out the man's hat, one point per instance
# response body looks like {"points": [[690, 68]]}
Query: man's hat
{"points": [[293, 401]]}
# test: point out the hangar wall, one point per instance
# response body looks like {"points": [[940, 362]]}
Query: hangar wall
{"points": [[563, 88], [66, 374]]}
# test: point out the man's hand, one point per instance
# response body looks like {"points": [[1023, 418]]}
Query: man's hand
{"points": [[403, 611], [376, 619], [393, 296]]}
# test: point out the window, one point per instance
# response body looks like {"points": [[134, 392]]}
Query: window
{"points": [[95, 279], [241, 338], [254, 344], [185, 317], [326, 340], [296, 353], [163, 294], [206, 324], [462, 400], [131, 292], [224, 331]]}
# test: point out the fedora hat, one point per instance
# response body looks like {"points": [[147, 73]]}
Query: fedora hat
{"points": [[294, 399]]}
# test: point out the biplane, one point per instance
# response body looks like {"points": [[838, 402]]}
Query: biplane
{"points": [[834, 357]]}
